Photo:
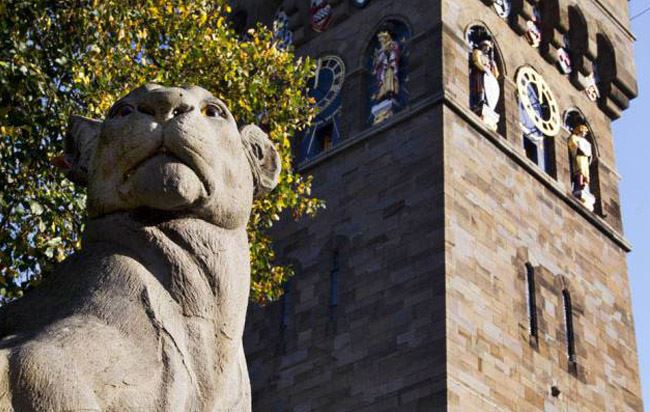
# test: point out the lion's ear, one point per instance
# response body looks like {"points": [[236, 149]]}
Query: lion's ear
{"points": [[264, 159], [80, 143]]}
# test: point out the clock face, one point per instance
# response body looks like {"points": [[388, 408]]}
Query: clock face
{"points": [[538, 101], [325, 87], [360, 3], [502, 7]]}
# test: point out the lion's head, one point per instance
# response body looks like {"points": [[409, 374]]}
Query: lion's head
{"points": [[171, 149]]}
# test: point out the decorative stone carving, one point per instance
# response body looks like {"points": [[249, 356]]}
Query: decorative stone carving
{"points": [[564, 57], [385, 69], [502, 8], [484, 82], [592, 91], [321, 15], [581, 158], [533, 31], [149, 315]]}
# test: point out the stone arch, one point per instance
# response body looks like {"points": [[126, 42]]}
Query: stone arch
{"points": [[501, 63]]}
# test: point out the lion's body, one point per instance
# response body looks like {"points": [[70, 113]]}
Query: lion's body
{"points": [[152, 295], [149, 316]]}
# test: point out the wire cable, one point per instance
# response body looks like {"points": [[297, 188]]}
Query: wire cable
{"points": [[641, 13]]}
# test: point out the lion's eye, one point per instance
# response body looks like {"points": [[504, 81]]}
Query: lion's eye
{"points": [[124, 110], [213, 110]]}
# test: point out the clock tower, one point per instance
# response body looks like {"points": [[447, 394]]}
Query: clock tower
{"points": [[472, 255]]}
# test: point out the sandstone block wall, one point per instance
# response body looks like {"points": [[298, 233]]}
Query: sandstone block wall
{"points": [[382, 348]]}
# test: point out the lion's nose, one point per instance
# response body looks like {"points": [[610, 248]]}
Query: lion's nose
{"points": [[165, 104]]}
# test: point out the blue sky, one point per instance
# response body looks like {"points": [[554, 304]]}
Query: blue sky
{"points": [[632, 141]]}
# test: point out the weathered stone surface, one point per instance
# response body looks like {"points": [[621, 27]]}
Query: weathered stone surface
{"points": [[150, 314]]}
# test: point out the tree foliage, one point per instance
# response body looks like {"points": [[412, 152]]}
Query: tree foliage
{"points": [[58, 58]]}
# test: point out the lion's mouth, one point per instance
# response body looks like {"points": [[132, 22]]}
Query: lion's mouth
{"points": [[170, 157], [167, 179]]}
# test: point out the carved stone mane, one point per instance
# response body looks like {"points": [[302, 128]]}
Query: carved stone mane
{"points": [[150, 314]]}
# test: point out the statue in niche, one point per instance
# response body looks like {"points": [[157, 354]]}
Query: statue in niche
{"points": [[484, 83], [533, 31], [581, 157], [149, 315], [282, 34], [385, 70]]}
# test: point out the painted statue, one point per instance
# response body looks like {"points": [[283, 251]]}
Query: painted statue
{"points": [[386, 67], [484, 83], [282, 34], [149, 314], [385, 71], [580, 152]]}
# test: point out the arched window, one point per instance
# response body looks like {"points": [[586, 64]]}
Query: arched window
{"points": [[325, 88], [387, 65], [583, 160], [577, 40], [605, 64], [568, 328], [531, 301], [485, 75], [549, 12], [539, 118]]}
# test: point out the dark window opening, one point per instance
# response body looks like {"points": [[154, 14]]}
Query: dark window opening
{"points": [[285, 309], [568, 324], [531, 150], [334, 285], [532, 301]]}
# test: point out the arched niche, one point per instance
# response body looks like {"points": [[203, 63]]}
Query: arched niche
{"points": [[387, 64], [589, 195], [486, 72]]}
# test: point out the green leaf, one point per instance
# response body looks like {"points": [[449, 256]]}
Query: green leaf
{"points": [[36, 208]]}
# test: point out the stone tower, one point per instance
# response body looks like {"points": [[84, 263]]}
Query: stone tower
{"points": [[471, 256]]}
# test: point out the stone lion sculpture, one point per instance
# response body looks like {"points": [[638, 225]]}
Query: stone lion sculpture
{"points": [[149, 316]]}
